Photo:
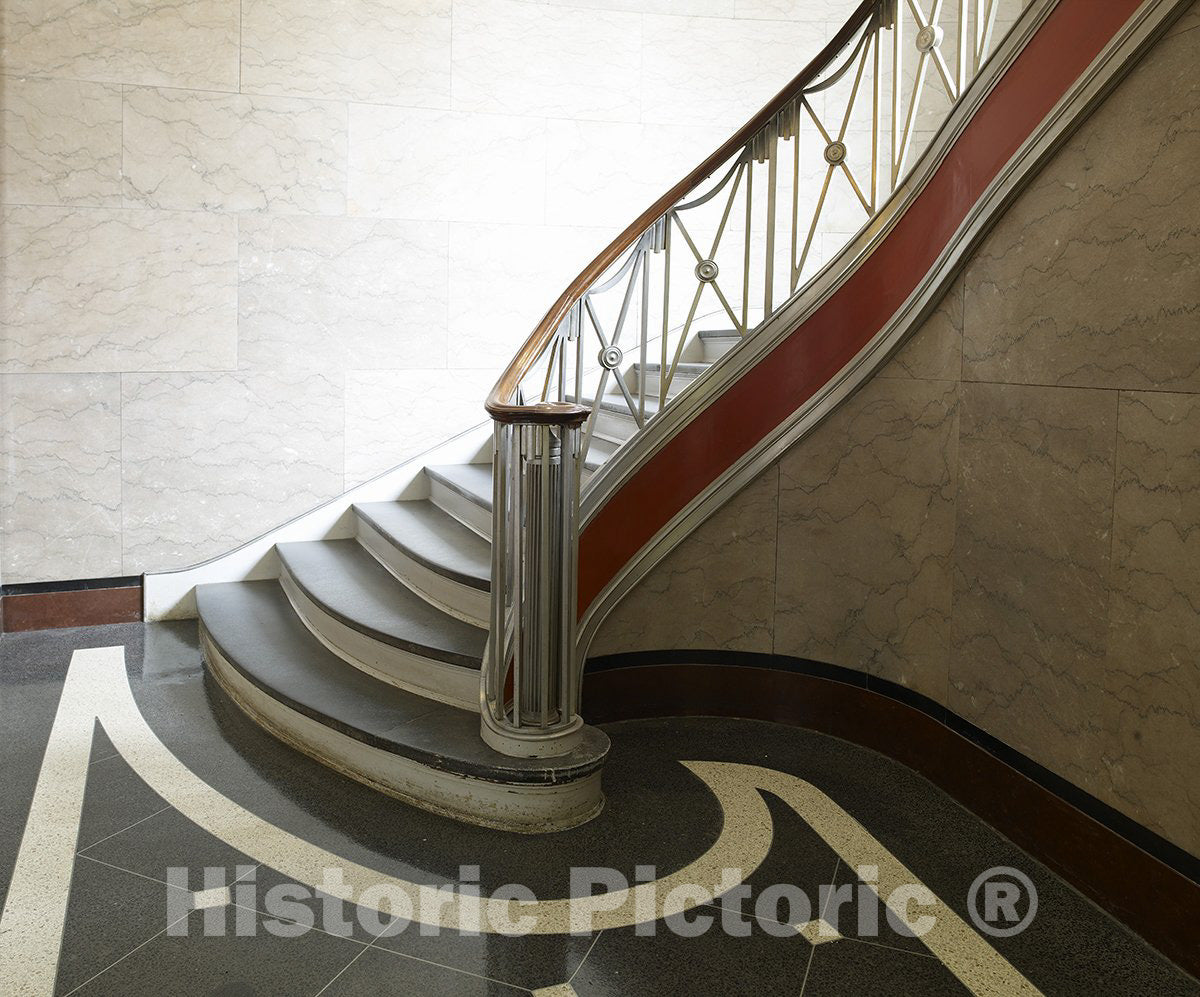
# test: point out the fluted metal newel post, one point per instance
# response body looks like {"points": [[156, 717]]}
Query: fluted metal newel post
{"points": [[530, 683]]}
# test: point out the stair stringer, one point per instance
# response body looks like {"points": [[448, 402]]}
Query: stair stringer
{"points": [[1114, 60]]}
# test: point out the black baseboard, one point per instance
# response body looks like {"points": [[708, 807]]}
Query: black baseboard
{"points": [[1148, 882]]}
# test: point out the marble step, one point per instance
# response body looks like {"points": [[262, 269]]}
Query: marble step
{"points": [[427, 753], [615, 423], [376, 623], [465, 492], [717, 342], [433, 553], [649, 378]]}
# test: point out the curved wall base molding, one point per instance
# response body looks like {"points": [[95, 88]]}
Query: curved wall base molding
{"points": [[1148, 883]]}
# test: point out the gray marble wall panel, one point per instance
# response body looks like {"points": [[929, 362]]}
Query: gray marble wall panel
{"points": [[866, 535], [115, 290], [1069, 623], [1031, 562], [934, 352], [62, 142], [62, 442], [717, 589], [1091, 279], [1154, 614], [212, 460]]}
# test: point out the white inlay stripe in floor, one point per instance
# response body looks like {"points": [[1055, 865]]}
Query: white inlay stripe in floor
{"points": [[96, 686]]}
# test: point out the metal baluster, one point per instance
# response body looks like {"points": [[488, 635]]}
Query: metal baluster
{"points": [[644, 335], [897, 87], [772, 184], [876, 94], [666, 322], [746, 251], [962, 46], [793, 273]]}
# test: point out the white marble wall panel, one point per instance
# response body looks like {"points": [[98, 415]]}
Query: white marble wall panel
{"points": [[413, 163], [711, 8], [185, 43], [385, 51], [607, 173], [238, 204], [341, 293], [232, 152], [393, 415], [61, 452], [115, 290], [519, 58], [213, 460], [796, 10], [503, 279], [714, 70], [62, 142]]}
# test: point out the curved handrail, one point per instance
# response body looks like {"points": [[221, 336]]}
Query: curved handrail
{"points": [[500, 404], [530, 680]]}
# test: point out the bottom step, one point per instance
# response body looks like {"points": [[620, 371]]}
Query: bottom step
{"points": [[426, 753]]}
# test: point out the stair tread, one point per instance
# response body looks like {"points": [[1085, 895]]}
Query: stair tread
{"points": [[342, 578], [719, 334], [692, 369], [433, 538], [617, 404], [472, 481], [256, 630]]}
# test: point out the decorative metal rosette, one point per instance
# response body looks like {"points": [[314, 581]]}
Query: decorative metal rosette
{"points": [[611, 357], [835, 153], [707, 270], [929, 38]]}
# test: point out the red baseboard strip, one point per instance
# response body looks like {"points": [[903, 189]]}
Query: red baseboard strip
{"points": [[78, 607]]}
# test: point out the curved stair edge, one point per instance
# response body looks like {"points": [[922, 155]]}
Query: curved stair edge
{"points": [[428, 754]]}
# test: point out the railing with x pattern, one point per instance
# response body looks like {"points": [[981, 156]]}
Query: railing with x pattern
{"points": [[728, 246]]}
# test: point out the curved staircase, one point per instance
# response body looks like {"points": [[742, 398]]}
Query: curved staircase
{"points": [[366, 652], [434, 650]]}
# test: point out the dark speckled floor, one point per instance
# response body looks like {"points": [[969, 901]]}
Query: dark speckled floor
{"points": [[116, 941]]}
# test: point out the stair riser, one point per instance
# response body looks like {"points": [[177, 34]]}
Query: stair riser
{"points": [[461, 601], [714, 349], [649, 385], [455, 504], [426, 677], [509, 807], [600, 449], [615, 426]]}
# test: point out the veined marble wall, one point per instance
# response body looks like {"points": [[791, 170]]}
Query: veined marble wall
{"points": [[257, 251], [1007, 518]]}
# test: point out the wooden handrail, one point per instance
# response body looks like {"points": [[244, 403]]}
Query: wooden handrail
{"points": [[498, 404]]}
